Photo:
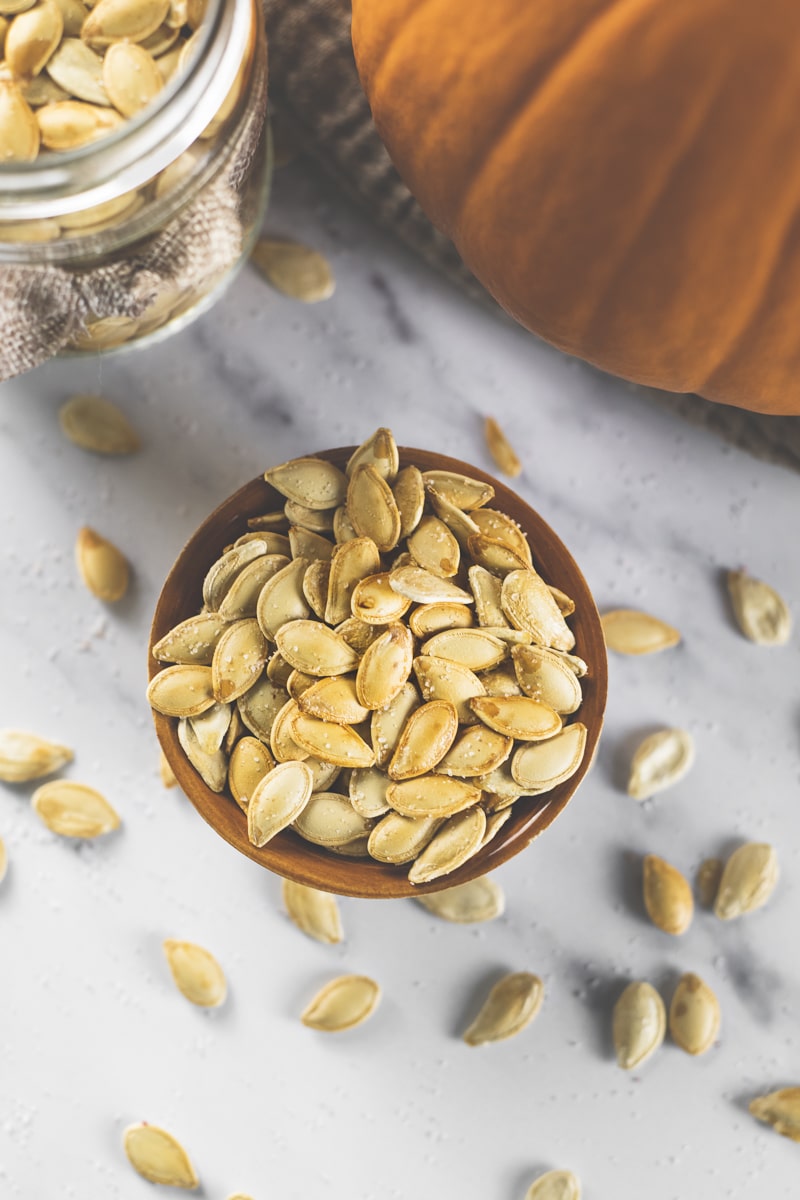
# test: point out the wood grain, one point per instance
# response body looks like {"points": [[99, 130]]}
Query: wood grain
{"points": [[287, 854]]}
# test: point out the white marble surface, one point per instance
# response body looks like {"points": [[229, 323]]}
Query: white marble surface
{"points": [[92, 1033]]}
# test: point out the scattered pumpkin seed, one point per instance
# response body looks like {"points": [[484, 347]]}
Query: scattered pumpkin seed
{"points": [[694, 1016], [277, 800], [501, 449], [103, 568], [511, 1005], [748, 880], [3, 860], [196, 973], [342, 1004], [555, 1185], [781, 1110], [628, 631], [667, 895], [467, 903], [295, 270], [315, 913], [74, 810], [96, 424], [25, 756], [158, 1156], [762, 614], [659, 762], [639, 1024]]}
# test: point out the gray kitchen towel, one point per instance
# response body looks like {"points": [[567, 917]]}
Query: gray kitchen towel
{"points": [[314, 83]]}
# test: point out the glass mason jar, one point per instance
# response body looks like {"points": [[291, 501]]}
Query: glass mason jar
{"points": [[129, 237]]}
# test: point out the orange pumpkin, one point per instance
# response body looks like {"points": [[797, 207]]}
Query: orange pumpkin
{"points": [[622, 175]]}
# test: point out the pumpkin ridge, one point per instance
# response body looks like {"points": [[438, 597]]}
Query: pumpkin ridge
{"points": [[724, 364], [640, 226]]}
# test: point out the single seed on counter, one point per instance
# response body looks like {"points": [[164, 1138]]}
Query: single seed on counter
{"points": [[296, 270], [95, 424], [103, 568], [628, 631], [694, 1016], [315, 913], [659, 762], [74, 810], [501, 449], [159, 1157], [25, 756], [3, 860], [512, 1004], [639, 1025], [781, 1110], [667, 895], [763, 616], [748, 879], [467, 903], [196, 973], [342, 1004], [555, 1185]]}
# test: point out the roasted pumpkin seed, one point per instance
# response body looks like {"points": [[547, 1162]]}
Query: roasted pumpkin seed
{"points": [[96, 424], [25, 756], [250, 762], [467, 903], [694, 1016], [517, 717], [353, 561], [278, 800], [385, 667], [332, 743], [667, 895], [159, 1157], [334, 699], [628, 631], [239, 659], [501, 449], [295, 270], [196, 973], [763, 616], [511, 1005], [543, 765], [749, 878], [639, 1024], [397, 839], [462, 491], [313, 648], [315, 913], [460, 837], [409, 496], [781, 1110], [387, 723], [660, 761], [312, 482], [440, 679], [329, 819], [555, 1185], [375, 602], [378, 451], [74, 810], [182, 691], [103, 568], [546, 677], [529, 604], [425, 739], [425, 588], [477, 752], [342, 1004]]}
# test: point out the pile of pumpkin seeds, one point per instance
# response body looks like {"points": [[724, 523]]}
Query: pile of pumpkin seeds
{"points": [[74, 71], [378, 665]]}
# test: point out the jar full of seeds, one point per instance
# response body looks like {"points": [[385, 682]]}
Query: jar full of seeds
{"points": [[134, 165]]}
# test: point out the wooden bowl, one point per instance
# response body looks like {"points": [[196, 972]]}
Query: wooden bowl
{"points": [[288, 854]]}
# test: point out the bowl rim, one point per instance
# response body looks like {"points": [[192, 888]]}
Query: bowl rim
{"points": [[289, 855]]}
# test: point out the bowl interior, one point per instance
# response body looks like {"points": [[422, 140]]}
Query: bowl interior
{"points": [[288, 854]]}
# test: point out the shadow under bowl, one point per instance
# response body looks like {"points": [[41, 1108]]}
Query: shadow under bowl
{"points": [[288, 854]]}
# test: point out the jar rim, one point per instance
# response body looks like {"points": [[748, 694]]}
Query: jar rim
{"points": [[70, 181]]}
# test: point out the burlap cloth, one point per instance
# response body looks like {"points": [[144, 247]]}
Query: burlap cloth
{"points": [[314, 84], [43, 307]]}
